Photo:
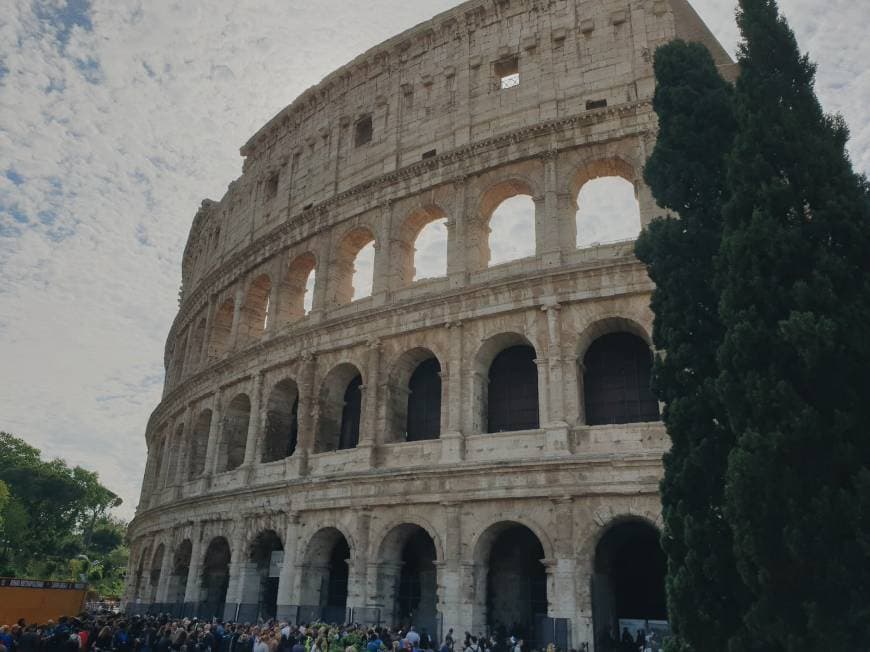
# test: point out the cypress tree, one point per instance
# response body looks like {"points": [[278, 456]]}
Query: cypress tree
{"points": [[686, 173], [795, 357]]}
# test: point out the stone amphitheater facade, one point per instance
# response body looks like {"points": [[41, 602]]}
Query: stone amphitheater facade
{"points": [[476, 451]]}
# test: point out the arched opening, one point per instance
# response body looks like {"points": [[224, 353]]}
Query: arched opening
{"points": [[180, 572], [512, 230], [414, 404], [325, 575], [197, 341], [222, 328], [299, 290], [421, 250], [408, 578], [215, 579], [340, 409], [266, 556], [424, 401], [353, 268], [628, 583], [235, 433], [607, 205], [255, 311], [154, 576], [282, 422], [512, 576], [513, 391], [198, 445], [616, 381]]}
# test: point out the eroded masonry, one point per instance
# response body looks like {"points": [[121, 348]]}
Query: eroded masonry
{"points": [[474, 449]]}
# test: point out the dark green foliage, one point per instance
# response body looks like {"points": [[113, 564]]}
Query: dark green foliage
{"points": [[686, 173], [795, 302], [54, 514]]}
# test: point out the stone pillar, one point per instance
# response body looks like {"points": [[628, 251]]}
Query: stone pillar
{"points": [[254, 422], [238, 570], [237, 316], [453, 439], [194, 573], [287, 577], [381, 286], [370, 402], [165, 573], [321, 283], [215, 432], [307, 405], [207, 353], [452, 603], [457, 263], [183, 464], [543, 391], [185, 363], [166, 459], [358, 565], [563, 603], [279, 270], [558, 440]]}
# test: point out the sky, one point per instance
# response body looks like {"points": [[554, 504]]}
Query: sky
{"points": [[117, 117]]}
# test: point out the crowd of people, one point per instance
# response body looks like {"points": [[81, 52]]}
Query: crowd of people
{"points": [[117, 633]]}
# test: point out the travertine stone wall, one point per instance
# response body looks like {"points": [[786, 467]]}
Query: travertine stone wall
{"points": [[310, 197]]}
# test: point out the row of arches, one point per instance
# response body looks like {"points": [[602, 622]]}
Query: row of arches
{"points": [[510, 213], [615, 372], [510, 589]]}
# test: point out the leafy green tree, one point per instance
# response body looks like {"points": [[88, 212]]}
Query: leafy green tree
{"points": [[686, 173], [795, 286], [56, 522]]}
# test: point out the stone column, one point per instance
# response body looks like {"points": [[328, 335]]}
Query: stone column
{"points": [[358, 565], [287, 577], [165, 573], [185, 363], [279, 270], [457, 264], [370, 402], [184, 461], [194, 573], [307, 405], [254, 422], [215, 432], [552, 244], [453, 439], [543, 391], [383, 254], [166, 460], [452, 603], [558, 440], [238, 570], [238, 301], [207, 353]]}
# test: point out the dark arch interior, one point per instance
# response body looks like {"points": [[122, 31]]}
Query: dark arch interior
{"points": [[350, 415], [264, 545], [215, 578], [629, 579], [282, 423], [618, 371], [335, 596], [513, 391], [236, 431], [424, 401], [416, 596], [516, 584]]}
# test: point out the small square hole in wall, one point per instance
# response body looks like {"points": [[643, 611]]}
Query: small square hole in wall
{"points": [[363, 131], [595, 104], [272, 186], [508, 72], [432, 153]]}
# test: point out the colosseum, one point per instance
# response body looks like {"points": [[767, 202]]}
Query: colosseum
{"points": [[349, 437]]}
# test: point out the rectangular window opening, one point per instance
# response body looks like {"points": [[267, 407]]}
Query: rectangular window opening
{"points": [[307, 207], [595, 104], [363, 131], [508, 72], [272, 186], [430, 154]]}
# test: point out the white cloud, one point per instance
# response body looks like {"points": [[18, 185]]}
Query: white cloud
{"points": [[118, 117]]}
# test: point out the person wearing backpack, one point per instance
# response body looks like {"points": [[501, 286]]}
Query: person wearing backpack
{"points": [[121, 639]]}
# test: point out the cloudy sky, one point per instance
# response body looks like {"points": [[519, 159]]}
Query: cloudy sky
{"points": [[118, 116]]}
